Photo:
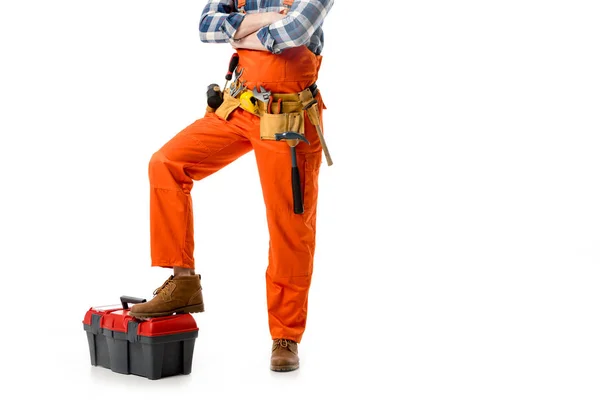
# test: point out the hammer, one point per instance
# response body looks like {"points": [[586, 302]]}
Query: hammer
{"points": [[296, 190]]}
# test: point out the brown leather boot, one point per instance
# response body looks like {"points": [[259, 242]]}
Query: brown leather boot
{"points": [[284, 355], [179, 294]]}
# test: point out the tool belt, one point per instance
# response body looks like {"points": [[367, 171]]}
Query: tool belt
{"points": [[283, 112]]}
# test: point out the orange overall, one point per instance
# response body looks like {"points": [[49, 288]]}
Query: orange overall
{"points": [[211, 143]]}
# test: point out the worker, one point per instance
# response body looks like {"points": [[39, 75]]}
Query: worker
{"points": [[278, 44]]}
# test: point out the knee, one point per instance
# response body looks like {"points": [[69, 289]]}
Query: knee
{"points": [[159, 168], [158, 162], [168, 174]]}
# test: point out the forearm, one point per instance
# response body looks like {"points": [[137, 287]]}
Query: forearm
{"points": [[250, 42], [253, 22]]}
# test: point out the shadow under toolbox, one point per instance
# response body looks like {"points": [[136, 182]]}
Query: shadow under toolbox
{"points": [[154, 348]]}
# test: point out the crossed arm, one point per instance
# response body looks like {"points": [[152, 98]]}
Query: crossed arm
{"points": [[270, 31], [246, 35]]}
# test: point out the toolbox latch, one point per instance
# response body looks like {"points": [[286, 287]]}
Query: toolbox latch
{"points": [[96, 327], [132, 329]]}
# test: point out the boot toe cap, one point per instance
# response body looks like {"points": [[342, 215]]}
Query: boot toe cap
{"points": [[286, 362]]}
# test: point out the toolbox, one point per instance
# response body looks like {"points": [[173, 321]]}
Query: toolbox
{"points": [[153, 348]]}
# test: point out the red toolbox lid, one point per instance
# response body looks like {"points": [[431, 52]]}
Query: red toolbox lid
{"points": [[115, 318]]}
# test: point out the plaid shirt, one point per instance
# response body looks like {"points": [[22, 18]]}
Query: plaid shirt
{"points": [[301, 26]]}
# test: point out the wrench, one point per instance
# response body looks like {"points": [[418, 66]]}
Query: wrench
{"points": [[263, 95], [241, 86]]}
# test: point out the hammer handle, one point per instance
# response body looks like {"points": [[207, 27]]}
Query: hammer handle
{"points": [[297, 191]]}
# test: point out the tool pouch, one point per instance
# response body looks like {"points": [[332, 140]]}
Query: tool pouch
{"points": [[282, 115], [270, 124], [229, 104]]}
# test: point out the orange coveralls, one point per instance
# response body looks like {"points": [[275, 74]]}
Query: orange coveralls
{"points": [[211, 143]]}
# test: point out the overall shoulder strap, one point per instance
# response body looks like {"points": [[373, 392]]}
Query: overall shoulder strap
{"points": [[287, 4]]}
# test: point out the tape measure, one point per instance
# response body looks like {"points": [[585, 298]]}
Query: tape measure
{"points": [[248, 102]]}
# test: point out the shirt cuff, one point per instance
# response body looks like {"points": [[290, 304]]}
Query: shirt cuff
{"points": [[231, 24], [267, 40]]}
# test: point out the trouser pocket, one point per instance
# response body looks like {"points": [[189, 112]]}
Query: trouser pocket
{"points": [[312, 164]]}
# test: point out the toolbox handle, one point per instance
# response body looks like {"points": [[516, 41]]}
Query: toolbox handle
{"points": [[129, 299]]}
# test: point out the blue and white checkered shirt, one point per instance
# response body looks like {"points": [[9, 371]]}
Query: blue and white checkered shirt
{"points": [[301, 26]]}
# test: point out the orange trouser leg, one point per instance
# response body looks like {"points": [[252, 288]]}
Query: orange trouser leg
{"points": [[199, 150], [292, 236]]}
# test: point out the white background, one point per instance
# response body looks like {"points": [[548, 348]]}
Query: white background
{"points": [[458, 234]]}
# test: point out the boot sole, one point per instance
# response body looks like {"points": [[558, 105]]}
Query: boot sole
{"points": [[198, 308], [285, 368]]}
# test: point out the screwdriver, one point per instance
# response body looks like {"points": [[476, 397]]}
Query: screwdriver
{"points": [[233, 62]]}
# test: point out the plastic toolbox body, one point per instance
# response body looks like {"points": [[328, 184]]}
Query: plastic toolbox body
{"points": [[154, 348]]}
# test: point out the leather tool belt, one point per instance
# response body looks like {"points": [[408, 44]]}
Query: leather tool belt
{"points": [[283, 112]]}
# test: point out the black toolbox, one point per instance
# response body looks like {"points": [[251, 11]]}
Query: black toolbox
{"points": [[153, 348]]}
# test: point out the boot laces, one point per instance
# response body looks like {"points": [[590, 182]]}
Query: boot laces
{"points": [[280, 343], [163, 290]]}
